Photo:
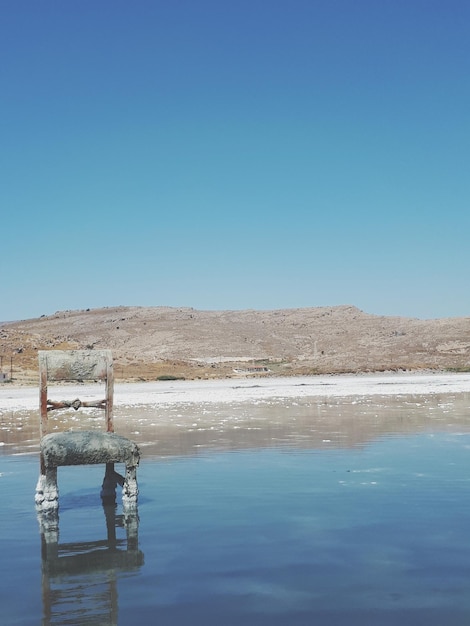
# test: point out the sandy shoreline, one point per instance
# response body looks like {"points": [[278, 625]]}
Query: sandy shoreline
{"points": [[165, 393]]}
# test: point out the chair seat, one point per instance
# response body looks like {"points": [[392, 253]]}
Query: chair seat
{"points": [[88, 448]]}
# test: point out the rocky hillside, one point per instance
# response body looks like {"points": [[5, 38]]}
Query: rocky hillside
{"points": [[148, 342]]}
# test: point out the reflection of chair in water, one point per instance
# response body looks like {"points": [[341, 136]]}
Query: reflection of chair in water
{"points": [[79, 580], [82, 447]]}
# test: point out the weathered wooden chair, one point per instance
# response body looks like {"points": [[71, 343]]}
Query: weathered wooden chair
{"points": [[83, 447]]}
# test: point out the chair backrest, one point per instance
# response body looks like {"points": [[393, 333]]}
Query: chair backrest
{"points": [[75, 365]]}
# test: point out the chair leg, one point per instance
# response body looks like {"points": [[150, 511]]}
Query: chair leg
{"points": [[130, 490], [110, 481], [49, 528], [131, 523], [47, 491]]}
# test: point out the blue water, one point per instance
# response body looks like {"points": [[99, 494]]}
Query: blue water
{"points": [[370, 535]]}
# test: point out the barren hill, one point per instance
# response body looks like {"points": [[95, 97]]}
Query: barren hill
{"points": [[148, 342]]}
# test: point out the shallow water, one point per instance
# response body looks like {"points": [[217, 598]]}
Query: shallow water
{"points": [[281, 512]]}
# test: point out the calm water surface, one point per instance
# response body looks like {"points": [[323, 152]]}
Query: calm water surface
{"points": [[280, 513]]}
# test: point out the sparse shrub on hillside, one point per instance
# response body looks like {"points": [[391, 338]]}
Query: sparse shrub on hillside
{"points": [[169, 377]]}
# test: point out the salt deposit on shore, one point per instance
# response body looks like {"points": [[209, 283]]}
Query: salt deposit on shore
{"points": [[165, 393]]}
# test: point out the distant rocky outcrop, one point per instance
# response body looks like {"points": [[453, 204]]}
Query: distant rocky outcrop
{"points": [[152, 342]]}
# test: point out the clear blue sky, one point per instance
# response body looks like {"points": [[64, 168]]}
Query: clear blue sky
{"points": [[228, 154]]}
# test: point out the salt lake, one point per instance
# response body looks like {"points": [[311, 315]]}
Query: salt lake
{"points": [[323, 500]]}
